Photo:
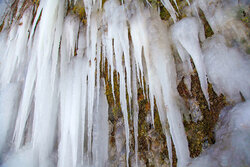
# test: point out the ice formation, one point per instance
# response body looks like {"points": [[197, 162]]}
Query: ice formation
{"points": [[53, 108], [232, 134], [227, 68]]}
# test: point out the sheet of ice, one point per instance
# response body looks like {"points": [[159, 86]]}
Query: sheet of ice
{"points": [[9, 101], [71, 103], [227, 68], [3, 6], [73, 90], [14, 55], [45, 101], [37, 53], [101, 131], [25, 103], [22, 158]]}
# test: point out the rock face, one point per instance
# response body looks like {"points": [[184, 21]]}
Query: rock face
{"points": [[124, 83]]}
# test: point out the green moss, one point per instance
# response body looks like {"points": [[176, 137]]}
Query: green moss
{"points": [[1, 26], [159, 130], [79, 10], [244, 15], [143, 126], [248, 50], [149, 136], [181, 6], [208, 30], [36, 3], [164, 14], [201, 133]]}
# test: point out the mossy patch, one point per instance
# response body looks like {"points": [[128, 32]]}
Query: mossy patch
{"points": [[208, 30], [1, 26], [200, 134], [164, 14], [243, 14], [79, 10]]}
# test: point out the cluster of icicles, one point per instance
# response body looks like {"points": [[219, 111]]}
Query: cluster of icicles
{"points": [[54, 109]]}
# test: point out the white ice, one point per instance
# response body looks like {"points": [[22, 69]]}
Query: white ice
{"points": [[227, 68], [53, 108]]}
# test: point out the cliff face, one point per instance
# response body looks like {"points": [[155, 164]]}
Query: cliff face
{"points": [[124, 83]]}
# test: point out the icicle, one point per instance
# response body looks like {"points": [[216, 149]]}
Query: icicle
{"points": [[186, 64], [9, 99], [25, 105], [101, 131], [123, 99], [98, 59], [110, 57], [28, 88], [45, 109], [16, 51], [91, 79], [170, 9], [71, 113], [140, 46], [161, 70], [83, 106], [118, 31], [169, 146], [139, 40], [135, 108], [52, 100], [70, 95], [176, 5], [190, 41]]}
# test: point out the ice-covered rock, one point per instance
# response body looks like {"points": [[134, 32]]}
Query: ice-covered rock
{"points": [[228, 68], [232, 140]]}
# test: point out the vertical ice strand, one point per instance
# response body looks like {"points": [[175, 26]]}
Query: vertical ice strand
{"points": [[94, 83]]}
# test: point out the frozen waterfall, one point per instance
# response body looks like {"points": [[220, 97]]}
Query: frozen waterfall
{"points": [[59, 57]]}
